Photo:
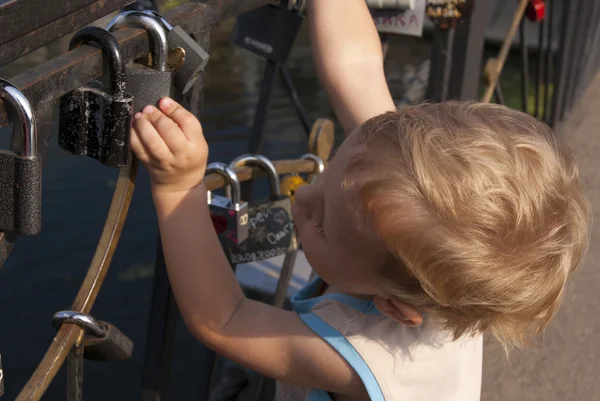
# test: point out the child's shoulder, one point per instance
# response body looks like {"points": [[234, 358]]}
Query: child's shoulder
{"points": [[392, 360]]}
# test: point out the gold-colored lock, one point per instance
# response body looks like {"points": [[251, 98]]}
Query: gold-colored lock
{"points": [[290, 184]]}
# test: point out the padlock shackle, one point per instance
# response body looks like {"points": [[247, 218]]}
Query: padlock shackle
{"points": [[230, 177], [155, 29], [155, 14], [87, 323], [15, 100], [318, 161], [262, 162], [112, 51]]}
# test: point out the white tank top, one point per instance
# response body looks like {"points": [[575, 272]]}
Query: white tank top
{"points": [[395, 362]]}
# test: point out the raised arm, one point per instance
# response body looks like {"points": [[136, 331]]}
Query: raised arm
{"points": [[349, 60], [271, 341]]}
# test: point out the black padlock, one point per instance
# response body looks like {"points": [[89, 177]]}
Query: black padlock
{"points": [[229, 214], [102, 341], [147, 85], [94, 122], [112, 346], [270, 226], [269, 31], [195, 57], [20, 171]]}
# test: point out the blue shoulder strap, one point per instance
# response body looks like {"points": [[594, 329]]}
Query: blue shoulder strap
{"points": [[303, 304]]}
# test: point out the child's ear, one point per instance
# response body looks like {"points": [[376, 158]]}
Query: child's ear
{"points": [[398, 310]]}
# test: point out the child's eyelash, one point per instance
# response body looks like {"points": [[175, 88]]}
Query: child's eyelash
{"points": [[319, 227]]}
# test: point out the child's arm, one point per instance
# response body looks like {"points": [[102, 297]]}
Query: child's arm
{"points": [[349, 60], [271, 341]]}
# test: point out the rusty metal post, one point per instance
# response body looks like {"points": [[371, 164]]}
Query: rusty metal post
{"points": [[75, 373], [160, 341]]}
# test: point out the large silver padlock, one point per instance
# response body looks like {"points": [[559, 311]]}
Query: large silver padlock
{"points": [[147, 85], [195, 57], [229, 214], [102, 341], [270, 226], [20, 171]]}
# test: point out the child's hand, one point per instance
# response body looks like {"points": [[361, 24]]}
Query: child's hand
{"points": [[171, 145]]}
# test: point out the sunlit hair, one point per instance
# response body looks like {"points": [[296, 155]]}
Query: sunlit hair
{"points": [[482, 212]]}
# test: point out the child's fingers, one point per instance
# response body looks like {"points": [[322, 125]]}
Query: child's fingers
{"points": [[166, 128], [137, 147], [153, 144], [188, 123]]}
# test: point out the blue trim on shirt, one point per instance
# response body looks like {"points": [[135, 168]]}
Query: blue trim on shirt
{"points": [[304, 301], [347, 351]]}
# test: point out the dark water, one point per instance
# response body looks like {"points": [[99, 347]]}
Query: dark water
{"points": [[43, 273]]}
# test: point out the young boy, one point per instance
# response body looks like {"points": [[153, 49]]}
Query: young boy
{"points": [[430, 226]]}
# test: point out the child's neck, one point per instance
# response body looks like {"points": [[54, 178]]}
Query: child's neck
{"points": [[331, 289]]}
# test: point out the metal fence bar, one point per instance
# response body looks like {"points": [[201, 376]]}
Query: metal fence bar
{"points": [[524, 66], [467, 54], [289, 84], [27, 25], [160, 341], [564, 60], [550, 57], [539, 75], [75, 373], [589, 58], [441, 60], [262, 108], [578, 44]]}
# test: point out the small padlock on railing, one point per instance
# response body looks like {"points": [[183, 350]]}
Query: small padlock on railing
{"points": [[194, 56], [269, 31], [94, 122], [147, 85], [20, 171], [270, 225], [290, 183], [102, 341], [229, 215]]}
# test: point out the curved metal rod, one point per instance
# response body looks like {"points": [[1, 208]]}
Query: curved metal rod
{"points": [[499, 65], [68, 333]]}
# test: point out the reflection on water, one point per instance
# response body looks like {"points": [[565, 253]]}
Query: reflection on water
{"points": [[43, 273]]}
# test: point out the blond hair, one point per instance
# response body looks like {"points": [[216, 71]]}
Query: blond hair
{"points": [[482, 212]]}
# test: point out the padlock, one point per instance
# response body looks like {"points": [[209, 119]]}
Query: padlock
{"points": [[102, 341], [195, 57], [20, 171], [536, 10], [269, 31], [94, 122], [229, 214], [113, 346], [270, 226], [147, 85], [290, 183]]}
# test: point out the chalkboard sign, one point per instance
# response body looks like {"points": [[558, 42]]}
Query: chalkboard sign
{"points": [[270, 232]]}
